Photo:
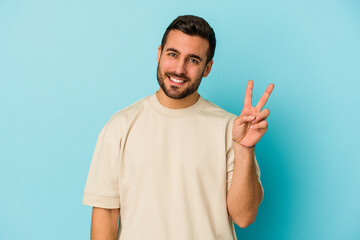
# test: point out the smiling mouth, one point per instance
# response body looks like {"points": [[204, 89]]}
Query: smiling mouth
{"points": [[176, 80]]}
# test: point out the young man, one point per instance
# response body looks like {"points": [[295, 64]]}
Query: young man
{"points": [[174, 165]]}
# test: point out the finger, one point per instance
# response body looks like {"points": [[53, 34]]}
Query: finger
{"points": [[265, 97], [244, 119], [248, 93], [260, 125], [262, 115]]}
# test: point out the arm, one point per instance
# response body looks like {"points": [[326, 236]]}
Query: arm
{"points": [[245, 194], [104, 223]]}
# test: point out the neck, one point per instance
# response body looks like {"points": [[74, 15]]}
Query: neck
{"points": [[176, 103]]}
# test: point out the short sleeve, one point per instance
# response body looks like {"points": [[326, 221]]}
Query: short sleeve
{"points": [[229, 153], [102, 186], [230, 160]]}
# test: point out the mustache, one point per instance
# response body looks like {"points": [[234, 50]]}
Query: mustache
{"points": [[183, 76]]}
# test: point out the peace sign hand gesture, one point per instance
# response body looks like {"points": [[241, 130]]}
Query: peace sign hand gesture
{"points": [[251, 124]]}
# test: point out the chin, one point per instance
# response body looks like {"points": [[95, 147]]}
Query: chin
{"points": [[173, 95]]}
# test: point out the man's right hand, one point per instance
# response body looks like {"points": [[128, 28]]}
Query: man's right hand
{"points": [[104, 223]]}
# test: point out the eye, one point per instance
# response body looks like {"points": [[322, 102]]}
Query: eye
{"points": [[193, 60], [172, 54]]}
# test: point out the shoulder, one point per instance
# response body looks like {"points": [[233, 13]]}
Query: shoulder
{"points": [[121, 120], [215, 111], [219, 118]]}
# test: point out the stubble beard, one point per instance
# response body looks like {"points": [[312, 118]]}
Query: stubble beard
{"points": [[173, 93]]}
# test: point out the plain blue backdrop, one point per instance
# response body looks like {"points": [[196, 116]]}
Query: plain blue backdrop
{"points": [[67, 66]]}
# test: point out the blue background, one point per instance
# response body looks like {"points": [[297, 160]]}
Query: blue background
{"points": [[67, 66]]}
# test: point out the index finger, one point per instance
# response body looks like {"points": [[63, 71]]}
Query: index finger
{"points": [[265, 97], [248, 93]]}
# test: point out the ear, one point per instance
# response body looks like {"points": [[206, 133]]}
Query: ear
{"points": [[159, 54], [208, 68]]}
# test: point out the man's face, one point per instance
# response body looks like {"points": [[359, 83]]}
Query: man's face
{"points": [[182, 64]]}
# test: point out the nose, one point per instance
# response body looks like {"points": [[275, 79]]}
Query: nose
{"points": [[180, 67]]}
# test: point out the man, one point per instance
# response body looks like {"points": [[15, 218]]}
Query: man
{"points": [[173, 165]]}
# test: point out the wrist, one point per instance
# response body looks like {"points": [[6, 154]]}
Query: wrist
{"points": [[243, 150], [245, 146]]}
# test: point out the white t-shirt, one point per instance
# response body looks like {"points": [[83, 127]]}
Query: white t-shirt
{"points": [[168, 170]]}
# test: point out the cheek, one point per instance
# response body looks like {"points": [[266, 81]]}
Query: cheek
{"points": [[196, 72], [165, 66]]}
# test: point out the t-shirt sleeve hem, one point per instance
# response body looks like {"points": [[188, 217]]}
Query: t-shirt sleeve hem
{"points": [[262, 189], [101, 201]]}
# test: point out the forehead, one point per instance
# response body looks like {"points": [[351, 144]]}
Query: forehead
{"points": [[187, 44]]}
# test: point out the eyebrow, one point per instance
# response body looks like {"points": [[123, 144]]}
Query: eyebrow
{"points": [[190, 55]]}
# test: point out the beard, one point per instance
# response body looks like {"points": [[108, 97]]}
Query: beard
{"points": [[173, 91]]}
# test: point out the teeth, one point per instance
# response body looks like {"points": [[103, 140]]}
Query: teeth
{"points": [[176, 80]]}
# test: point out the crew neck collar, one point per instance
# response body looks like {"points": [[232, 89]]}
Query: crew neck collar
{"points": [[176, 113]]}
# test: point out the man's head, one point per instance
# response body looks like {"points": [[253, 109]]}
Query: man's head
{"points": [[185, 56], [193, 26]]}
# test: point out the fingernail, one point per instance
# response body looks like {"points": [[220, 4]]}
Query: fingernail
{"points": [[251, 116]]}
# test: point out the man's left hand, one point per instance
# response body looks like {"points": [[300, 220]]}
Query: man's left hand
{"points": [[251, 124]]}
